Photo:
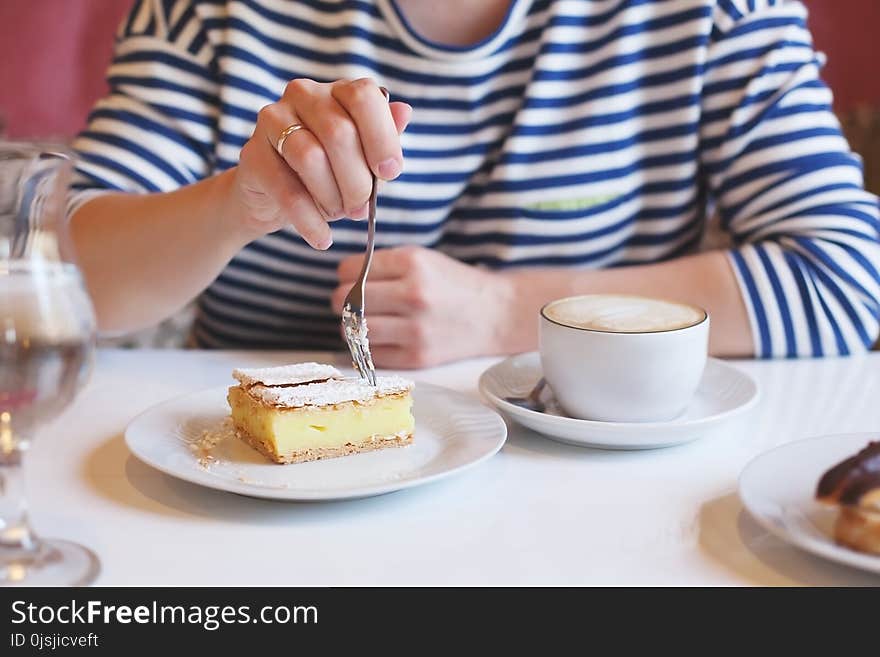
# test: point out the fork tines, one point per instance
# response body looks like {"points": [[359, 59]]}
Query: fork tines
{"points": [[354, 327]]}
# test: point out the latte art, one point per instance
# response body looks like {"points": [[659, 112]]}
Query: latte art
{"points": [[622, 314]]}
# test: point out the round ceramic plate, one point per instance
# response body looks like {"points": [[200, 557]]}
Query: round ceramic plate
{"points": [[778, 489], [453, 432], [724, 393]]}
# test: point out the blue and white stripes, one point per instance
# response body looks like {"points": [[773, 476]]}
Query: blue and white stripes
{"points": [[584, 133]]}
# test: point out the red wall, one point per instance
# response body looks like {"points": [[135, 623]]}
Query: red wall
{"points": [[53, 54], [847, 31]]}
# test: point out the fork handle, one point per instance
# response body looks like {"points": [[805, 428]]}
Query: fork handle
{"points": [[371, 234], [371, 225]]}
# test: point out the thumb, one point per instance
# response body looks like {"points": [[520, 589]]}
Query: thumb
{"points": [[401, 113]]}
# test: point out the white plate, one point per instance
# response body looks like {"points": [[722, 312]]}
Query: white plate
{"points": [[778, 489], [453, 432], [724, 393]]}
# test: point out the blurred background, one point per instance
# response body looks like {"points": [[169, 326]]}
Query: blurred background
{"points": [[53, 54]]}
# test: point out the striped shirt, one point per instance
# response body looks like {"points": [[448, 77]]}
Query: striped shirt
{"points": [[581, 134]]}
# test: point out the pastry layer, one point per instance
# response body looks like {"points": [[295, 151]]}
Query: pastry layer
{"points": [[292, 435], [858, 529], [318, 453], [329, 393], [286, 375]]}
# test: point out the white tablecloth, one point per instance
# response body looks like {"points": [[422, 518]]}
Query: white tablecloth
{"points": [[539, 512]]}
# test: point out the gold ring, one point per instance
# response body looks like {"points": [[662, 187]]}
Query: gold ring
{"points": [[289, 130]]}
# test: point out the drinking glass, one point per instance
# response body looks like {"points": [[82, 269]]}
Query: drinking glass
{"points": [[47, 333]]}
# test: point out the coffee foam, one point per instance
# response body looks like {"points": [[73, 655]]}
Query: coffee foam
{"points": [[622, 314]]}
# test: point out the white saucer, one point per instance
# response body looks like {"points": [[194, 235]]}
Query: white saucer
{"points": [[724, 393], [778, 489], [454, 431]]}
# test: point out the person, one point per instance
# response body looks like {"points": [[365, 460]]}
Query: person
{"points": [[531, 150]]}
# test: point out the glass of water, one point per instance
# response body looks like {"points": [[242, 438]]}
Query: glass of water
{"points": [[47, 334]]}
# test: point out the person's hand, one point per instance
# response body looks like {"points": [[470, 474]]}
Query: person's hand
{"points": [[424, 308], [324, 170]]}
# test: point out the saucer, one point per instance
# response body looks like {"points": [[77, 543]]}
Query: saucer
{"points": [[724, 394]]}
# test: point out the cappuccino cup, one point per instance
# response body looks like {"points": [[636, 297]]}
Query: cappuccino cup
{"points": [[621, 358]]}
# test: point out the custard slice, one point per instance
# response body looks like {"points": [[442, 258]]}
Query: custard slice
{"points": [[306, 412]]}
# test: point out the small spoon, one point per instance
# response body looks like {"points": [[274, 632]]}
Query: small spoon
{"points": [[532, 401]]}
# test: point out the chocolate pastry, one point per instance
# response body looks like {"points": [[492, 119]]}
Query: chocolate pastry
{"points": [[854, 486]]}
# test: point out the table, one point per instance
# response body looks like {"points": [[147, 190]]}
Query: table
{"points": [[539, 512]]}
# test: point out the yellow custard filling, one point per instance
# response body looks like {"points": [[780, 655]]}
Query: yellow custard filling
{"points": [[289, 431]]}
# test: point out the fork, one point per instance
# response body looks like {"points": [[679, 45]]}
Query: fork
{"points": [[354, 322]]}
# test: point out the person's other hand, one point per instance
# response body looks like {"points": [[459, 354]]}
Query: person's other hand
{"points": [[324, 170], [424, 308]]}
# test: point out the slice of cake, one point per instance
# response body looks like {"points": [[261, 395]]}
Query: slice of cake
{"points": [[306, 412]]}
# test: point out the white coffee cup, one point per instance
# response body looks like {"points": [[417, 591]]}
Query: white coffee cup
{"points": [[620, 358]]}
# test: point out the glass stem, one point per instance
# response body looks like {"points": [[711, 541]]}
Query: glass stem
{"points": [[15, 531]]}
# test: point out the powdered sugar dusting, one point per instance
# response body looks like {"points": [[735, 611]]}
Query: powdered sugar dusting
{"points": [[286, 374], [334, 391]]}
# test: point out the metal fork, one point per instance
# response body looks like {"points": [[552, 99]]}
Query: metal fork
{"points": [[354, 323]]}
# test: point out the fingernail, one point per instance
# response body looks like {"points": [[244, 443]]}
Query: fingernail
{"points": [[389, 169], [359, 213], [325, 244], [327, 214]]}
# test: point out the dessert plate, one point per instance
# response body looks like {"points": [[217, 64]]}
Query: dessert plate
{"points": [[778, 487], [453, 432], [724, 393]]}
